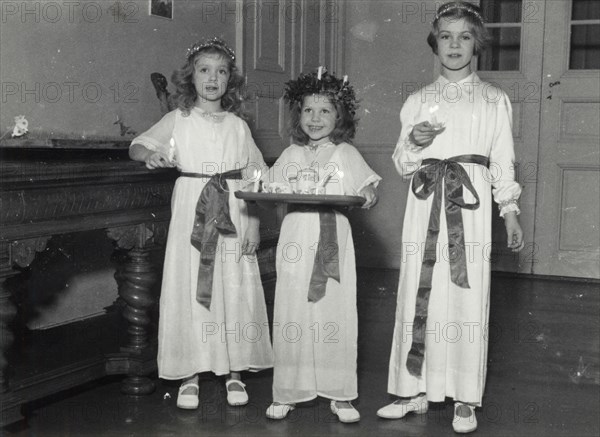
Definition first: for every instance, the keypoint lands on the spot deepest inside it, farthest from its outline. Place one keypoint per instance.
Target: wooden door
(567, 221)
(281, 39)
(546, 57)
(278, 39)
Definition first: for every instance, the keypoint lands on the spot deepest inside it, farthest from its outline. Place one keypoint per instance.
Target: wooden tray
(307, 199)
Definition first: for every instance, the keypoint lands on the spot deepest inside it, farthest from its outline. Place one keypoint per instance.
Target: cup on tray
(306, 182)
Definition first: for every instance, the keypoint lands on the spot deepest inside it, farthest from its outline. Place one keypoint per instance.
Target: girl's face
(456, 44)
(317, 119)
(211, 76)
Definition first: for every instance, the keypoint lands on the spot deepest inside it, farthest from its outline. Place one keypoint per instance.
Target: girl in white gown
(212, 310)
(315, 316)
(456, 146)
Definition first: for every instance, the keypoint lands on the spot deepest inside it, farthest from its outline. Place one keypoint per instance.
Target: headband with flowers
(449, 7)
(321, 82)
(214, 42)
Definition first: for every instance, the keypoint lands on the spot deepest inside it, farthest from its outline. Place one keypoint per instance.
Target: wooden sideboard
(49, 188)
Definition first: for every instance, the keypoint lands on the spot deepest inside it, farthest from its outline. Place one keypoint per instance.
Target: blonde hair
(183, 79)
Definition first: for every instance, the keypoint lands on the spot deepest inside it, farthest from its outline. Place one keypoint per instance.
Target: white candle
(257, 175)
(319, 73)
(171, 154)
(345, 79)
(432, 111)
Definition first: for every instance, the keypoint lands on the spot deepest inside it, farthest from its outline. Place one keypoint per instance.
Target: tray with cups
(305, 188)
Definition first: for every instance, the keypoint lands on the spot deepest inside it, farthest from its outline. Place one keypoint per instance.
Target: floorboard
(543, 379)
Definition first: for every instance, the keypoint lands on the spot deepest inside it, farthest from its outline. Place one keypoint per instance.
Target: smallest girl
(315, 317)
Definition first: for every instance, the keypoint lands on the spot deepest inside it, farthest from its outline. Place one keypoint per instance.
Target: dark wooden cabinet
(50, 188)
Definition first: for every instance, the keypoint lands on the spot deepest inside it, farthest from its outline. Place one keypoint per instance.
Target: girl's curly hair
(338, 91)
(185, 95)
(343, 132)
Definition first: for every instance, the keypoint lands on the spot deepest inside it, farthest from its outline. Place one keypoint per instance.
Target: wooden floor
(543, 379)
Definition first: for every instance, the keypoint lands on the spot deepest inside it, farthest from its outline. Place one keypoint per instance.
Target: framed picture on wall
(162, 8)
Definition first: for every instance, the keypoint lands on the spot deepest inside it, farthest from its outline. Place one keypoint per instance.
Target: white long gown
(234, 334)
(315, 344)
(478, 119)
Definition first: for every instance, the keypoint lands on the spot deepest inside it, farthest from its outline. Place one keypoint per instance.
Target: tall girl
(212, 310)
(315, 316)
(456, 146)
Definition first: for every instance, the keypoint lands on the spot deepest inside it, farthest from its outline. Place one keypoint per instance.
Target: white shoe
(236, 398)
(188, 401)
(279, 411)
(463, 425)
(345, 415)
(400, 408)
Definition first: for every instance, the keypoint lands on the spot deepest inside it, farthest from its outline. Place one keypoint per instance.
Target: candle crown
(321, 82)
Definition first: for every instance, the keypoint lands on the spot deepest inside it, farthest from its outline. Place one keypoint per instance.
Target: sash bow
(212, 218)
(441, 178)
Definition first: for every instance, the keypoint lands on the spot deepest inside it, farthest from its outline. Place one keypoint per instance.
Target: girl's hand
(369, 192)
(251, 238)
(158, 160)
(513, 232)
(424, 133)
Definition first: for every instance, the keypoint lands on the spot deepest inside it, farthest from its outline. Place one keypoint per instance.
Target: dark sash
(439, 177)
(212, 218)
(326, 264)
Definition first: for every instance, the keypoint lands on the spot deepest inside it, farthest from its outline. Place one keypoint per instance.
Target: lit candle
(340, 175)
(257, 175)
(171, 154)
(432, 111)
(319, 73)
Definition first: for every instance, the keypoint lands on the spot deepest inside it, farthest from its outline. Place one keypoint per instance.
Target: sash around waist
(435, 169)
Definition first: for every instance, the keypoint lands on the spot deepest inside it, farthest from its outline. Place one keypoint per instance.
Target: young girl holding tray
(315, 316)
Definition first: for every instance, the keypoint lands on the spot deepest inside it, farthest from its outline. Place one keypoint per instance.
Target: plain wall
(72, 68)
(386, 56)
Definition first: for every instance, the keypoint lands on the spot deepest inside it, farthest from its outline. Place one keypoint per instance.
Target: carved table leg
(136, 279)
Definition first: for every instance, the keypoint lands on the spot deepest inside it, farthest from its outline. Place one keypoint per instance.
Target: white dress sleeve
(407, 156)
(158, 137)
(357, 173)
(505, 189)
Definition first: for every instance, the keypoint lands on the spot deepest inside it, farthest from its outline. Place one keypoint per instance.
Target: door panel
(282, 39)
(568, 216)
(279, 39)
(268, 53)
(551, 77)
